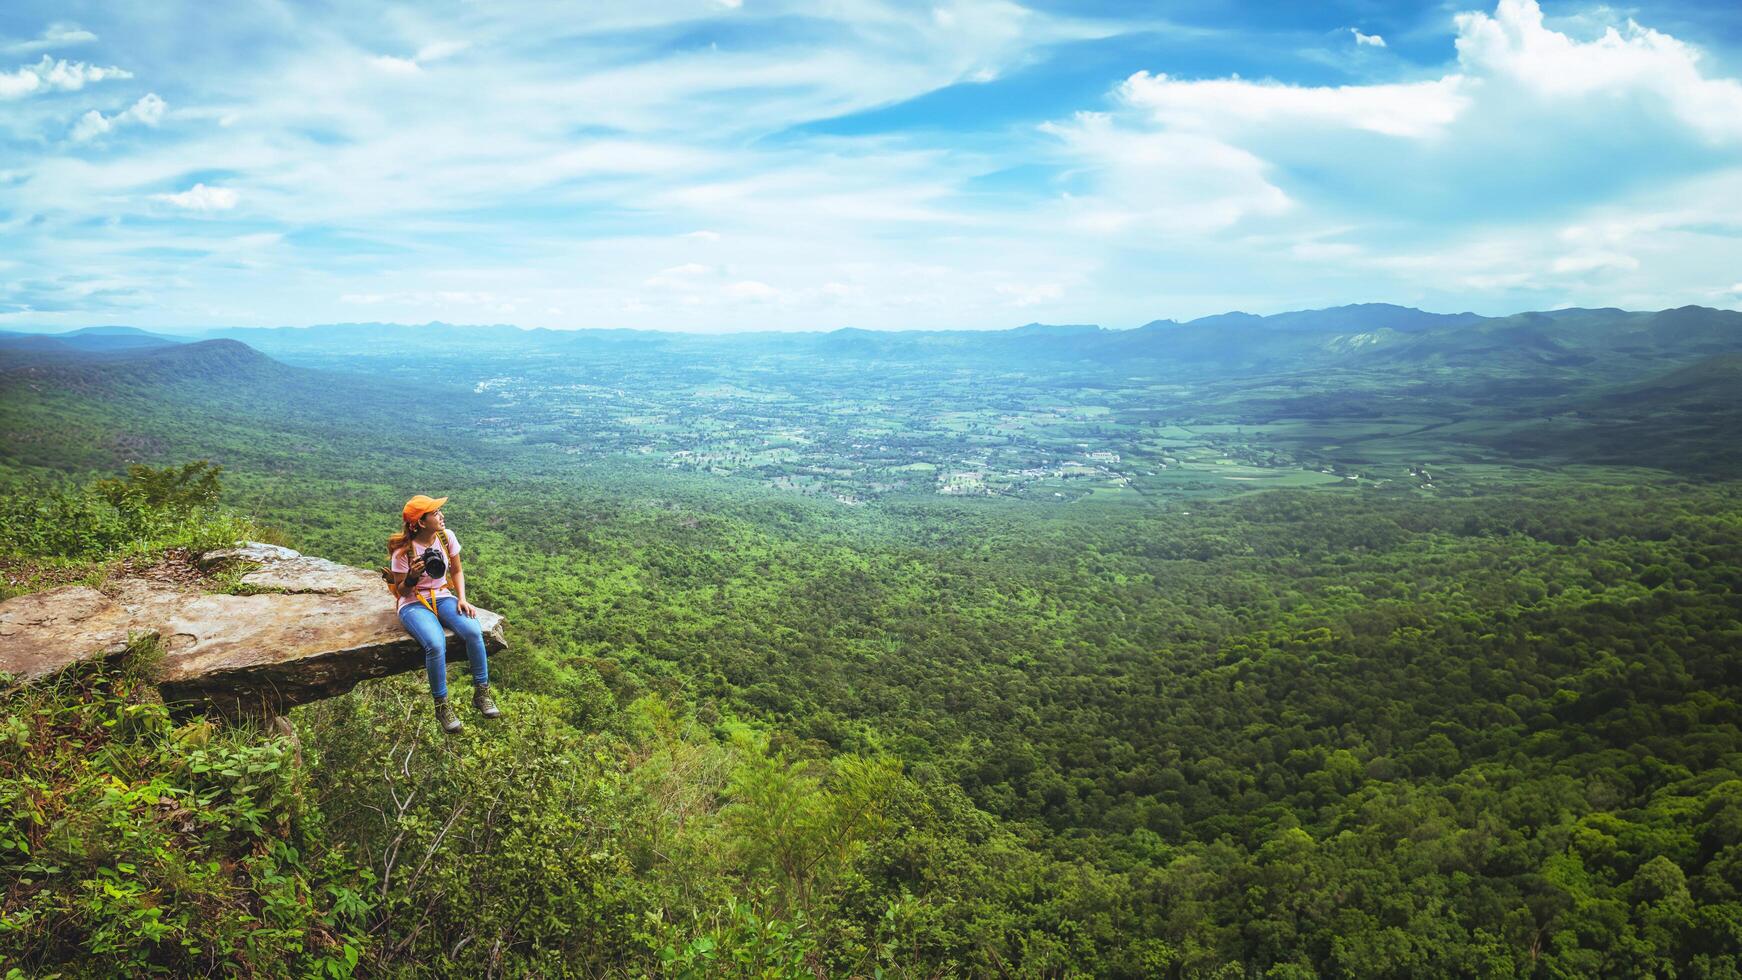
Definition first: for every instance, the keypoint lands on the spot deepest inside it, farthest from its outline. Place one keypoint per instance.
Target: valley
(1099, 663)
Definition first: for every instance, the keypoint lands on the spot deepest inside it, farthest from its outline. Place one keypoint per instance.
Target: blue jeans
(426, 628)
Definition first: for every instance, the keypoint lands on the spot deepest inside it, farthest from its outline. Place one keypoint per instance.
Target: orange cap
(420, 505)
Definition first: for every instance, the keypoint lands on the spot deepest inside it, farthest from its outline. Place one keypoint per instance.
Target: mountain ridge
(1351, 314)
(1375, 336)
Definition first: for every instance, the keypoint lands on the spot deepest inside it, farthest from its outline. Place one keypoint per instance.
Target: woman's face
(433, 521)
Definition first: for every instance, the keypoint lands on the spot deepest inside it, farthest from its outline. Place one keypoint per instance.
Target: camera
(434, 565)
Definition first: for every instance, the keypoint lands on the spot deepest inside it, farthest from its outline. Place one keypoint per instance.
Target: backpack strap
(388, 575)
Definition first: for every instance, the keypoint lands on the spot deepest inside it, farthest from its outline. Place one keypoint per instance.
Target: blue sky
(716, 165)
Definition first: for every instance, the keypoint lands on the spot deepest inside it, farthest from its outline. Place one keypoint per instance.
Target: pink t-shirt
(434, 588)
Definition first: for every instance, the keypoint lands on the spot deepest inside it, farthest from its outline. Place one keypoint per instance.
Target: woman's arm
(460, 586)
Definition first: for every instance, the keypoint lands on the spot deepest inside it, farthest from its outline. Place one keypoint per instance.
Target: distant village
(826, 442)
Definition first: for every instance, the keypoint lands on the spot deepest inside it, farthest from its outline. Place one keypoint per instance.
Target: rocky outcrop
(42, 632)
(311, 629)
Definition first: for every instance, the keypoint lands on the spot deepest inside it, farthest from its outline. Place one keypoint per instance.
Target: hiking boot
(446, 718)
(484, 703)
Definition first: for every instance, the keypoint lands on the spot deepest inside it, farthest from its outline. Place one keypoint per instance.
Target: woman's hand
(466, 608)
(413, 576)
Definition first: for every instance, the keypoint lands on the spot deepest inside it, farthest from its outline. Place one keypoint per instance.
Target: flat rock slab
(324, 628)
(42, 632)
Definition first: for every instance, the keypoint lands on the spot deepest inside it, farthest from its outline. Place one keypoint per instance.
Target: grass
(226, 579)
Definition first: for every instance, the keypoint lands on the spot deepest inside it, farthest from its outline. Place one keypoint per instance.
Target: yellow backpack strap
(387, 573)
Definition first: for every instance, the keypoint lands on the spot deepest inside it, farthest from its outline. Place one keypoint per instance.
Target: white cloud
(427, 303)
(201, 198)
(1413, 109)
(428, 54)
(834, 292)
(1594, 262)
(1162, 183)
(1369, 40)
(394, 65)
(1030, 294)
(57, 35)
(1504, 59)
(1513, 47)
(438, 50)
(52, 75)
(91, 125)
(703, 235)
(751, 290)
(681, 277)
(459, 297)
(1657, 248)
(148, 111)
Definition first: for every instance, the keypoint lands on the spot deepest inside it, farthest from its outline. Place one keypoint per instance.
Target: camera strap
(423, 595)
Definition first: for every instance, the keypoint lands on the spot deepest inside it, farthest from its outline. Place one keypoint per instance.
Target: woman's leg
(472, 634)
(427, 630)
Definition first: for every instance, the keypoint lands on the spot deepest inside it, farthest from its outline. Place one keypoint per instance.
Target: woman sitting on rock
(425, 562)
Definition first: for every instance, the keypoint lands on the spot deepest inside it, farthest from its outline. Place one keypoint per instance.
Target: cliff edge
(307, 629)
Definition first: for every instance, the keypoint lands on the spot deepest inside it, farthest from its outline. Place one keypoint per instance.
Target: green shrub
(130, 845)
(150, 510)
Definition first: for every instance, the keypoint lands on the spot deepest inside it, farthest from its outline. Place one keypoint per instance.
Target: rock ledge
(317, 630)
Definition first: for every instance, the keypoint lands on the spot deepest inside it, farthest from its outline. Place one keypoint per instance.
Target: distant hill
(1245, 343)
(1683, 420)
(1220, 344)
(1056, 329)
(214, 398)
(1713, 382)
(119, 336)
(1618, 343)
(94, 339)
(15, 348)
(216, 362)
(1359, 317)
(385, 337)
